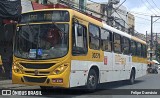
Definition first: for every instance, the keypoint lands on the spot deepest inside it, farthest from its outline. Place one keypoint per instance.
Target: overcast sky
(146, 8)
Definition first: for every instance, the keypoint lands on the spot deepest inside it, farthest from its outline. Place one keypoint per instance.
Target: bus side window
(79, 39)
(133, 48)
(106, 40)
(94, 37)
(145, 51)
(139, 52)
(117, 43)
(125, 46)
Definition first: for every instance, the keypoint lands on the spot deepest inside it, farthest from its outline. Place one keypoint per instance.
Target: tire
(132, 78)
(92, 81)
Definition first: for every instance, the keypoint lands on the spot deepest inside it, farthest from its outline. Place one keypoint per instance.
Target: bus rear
(41, 49)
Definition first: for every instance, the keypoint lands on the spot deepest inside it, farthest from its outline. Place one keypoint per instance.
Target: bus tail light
(60, 69)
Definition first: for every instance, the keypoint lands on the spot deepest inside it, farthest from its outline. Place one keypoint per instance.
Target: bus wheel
(132, 77)
(92, 80)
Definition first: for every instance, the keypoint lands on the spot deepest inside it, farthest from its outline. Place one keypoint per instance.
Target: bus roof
(115, 30)
(94, 21)
(122, 33)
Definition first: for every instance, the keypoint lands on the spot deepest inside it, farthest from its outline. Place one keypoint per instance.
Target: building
(97, 10)
(27, 5)
(80, 4)
(131, 23)
(120, 17)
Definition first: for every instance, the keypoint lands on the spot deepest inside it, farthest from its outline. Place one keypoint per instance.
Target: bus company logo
(36, 72)
(6, 92)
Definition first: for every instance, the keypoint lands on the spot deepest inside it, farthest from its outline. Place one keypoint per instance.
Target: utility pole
(110, 18)
(110, 11)
(151, 43)
(146, 36)
(156, 45)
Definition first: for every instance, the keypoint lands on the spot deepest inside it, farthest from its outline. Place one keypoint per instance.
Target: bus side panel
(118, 67)
(140, 66)
(79, 72)
(125, 72)
(106, 68)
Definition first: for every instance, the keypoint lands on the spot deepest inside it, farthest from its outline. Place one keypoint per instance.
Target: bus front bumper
(61, 80)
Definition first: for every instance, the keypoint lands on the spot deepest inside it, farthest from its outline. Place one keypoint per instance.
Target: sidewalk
(7, 84)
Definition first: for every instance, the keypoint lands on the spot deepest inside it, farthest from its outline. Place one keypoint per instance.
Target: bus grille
(37, 66)
(33, 72)
(35, 80)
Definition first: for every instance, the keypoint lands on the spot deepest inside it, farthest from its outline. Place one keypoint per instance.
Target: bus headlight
(16, 69)
(60, 69)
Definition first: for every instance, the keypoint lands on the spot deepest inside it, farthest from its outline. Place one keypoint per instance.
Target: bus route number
(95, 55)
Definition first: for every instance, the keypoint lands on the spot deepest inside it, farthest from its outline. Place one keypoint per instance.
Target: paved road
(150, 81)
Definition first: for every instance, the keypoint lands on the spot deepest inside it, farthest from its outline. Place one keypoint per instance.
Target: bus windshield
(41, 41)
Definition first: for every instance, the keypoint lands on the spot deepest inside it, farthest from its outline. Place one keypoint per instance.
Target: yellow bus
(66, 48)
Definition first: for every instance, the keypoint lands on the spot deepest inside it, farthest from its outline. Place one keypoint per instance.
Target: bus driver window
(54, 36)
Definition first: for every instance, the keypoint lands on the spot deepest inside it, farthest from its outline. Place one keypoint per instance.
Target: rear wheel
(92, 80)
(132, 77)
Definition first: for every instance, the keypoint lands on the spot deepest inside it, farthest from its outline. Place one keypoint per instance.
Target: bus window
(145, 51)
(125, 46)
(79, 40)
(133, 48)
(106, 40)
(139, 52)
(117, 43)
(94, 37)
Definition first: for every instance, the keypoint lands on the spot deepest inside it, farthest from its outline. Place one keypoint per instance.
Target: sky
(143, 9)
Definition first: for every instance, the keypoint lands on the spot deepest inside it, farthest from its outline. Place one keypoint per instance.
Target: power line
(152, 6)
(147, 7)
(142, 18)
(155, 4)
(119, 6)
(142, 14)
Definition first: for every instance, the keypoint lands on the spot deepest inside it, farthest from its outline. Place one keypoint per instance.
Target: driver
(54, 36)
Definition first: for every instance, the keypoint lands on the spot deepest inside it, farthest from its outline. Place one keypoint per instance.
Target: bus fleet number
(95, 55)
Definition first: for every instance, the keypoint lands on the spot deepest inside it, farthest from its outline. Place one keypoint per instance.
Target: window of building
(79, 39)
(94, 37)
(117, 43)
(125, 45)
(106, 40)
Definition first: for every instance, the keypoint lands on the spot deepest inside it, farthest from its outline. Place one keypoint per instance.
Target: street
(107, 90)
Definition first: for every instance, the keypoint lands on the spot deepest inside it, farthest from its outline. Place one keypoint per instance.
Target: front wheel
(92, 80)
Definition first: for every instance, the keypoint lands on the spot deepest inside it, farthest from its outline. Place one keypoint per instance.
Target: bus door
(79, 53)
(118, 58)
(106, 46)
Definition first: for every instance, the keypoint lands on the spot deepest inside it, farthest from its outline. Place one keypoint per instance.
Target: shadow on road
(105, 88)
